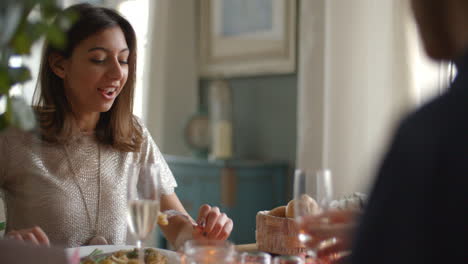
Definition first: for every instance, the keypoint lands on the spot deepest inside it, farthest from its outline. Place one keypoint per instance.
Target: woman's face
(97, 71)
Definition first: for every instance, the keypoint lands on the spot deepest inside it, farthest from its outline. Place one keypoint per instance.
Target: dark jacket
(418, 209)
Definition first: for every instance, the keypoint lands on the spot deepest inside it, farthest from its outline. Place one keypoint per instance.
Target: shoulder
(424, 137)
(140, 125)
(440, 118)
(148, 146)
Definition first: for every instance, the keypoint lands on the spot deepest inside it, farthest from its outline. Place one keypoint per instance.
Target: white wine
(142, 217)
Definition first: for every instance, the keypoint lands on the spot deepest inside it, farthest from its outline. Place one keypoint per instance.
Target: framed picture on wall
(247, 37)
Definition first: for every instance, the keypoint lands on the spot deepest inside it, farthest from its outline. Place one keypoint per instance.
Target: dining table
(173, 257)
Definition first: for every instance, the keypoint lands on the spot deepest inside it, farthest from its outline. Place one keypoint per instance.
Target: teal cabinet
(240, 188)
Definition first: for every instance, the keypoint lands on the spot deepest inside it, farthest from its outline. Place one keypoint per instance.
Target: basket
(277, 235)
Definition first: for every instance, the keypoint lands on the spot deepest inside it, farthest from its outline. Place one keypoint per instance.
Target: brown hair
(116, 127)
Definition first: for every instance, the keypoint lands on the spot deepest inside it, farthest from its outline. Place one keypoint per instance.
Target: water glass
(325, 231)
(285, 259)
(208, 252)
(313, 191)
(255, 258)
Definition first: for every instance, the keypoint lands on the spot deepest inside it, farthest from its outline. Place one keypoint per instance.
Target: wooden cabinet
(240, 188)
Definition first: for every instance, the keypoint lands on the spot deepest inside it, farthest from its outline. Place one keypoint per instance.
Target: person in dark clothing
(417, 210)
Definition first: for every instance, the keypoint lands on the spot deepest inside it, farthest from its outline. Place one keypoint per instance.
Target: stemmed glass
(143, 201)
(313, 192)
(325, 231)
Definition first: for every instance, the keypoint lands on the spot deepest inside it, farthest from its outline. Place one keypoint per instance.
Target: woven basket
(277, 235)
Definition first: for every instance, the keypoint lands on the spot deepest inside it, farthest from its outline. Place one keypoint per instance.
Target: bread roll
(310, 206)
(279, 211)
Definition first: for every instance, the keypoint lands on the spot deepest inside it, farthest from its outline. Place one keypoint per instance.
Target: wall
(264, 107)
(358, 50)
(170, 94)
(264, 116)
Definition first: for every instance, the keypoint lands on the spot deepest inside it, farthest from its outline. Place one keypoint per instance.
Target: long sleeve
(393, 226)
(416, 212)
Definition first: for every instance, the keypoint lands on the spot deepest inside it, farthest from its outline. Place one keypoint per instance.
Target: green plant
(22, 23)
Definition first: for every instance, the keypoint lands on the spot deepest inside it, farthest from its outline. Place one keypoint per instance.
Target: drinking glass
(313, 192)
(287, 259)
(323, 230)
(255, 258)
(143, 201)
(208, 252)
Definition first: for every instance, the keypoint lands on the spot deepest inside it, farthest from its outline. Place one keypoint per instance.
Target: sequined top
(39, 188)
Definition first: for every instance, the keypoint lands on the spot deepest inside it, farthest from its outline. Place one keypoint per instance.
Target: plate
(172, 256)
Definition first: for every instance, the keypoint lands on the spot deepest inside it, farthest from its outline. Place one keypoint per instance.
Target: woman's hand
(34, 235)
(212, 224)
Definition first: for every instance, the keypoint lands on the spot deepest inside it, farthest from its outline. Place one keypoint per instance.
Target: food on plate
(151, 256)
(162, 219)
(279, 211)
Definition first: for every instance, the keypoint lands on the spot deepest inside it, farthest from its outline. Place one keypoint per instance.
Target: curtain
(357, 76)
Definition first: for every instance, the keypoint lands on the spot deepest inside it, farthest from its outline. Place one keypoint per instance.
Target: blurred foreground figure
(12, 251)
(417, 211)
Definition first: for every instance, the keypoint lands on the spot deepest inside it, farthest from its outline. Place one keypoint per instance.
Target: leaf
(95, 252)
(2, 224)
(67, 19)
(3, 122)
(37, 30)
(22, 43)
(48, 10)
(4, 80)
(23, 115)
(55, 36)
(19, 75)
(8, 114)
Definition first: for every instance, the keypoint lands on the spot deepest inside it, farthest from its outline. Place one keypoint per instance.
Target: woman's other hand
(34, 235)
(212, 224)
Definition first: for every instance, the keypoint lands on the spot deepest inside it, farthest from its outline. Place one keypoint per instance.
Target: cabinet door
(258, 189)
(197, 185)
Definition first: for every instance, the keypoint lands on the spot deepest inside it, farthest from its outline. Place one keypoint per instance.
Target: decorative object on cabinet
(240, 188)
(221, 120)
(197, 134)
(247, 37)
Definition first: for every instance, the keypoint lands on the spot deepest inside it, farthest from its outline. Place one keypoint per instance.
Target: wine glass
(143, 201)
(325, 231)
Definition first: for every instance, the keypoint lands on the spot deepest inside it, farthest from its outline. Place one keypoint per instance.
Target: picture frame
(247, 37)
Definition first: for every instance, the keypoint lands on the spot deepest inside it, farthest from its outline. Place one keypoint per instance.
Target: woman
(66, 183)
